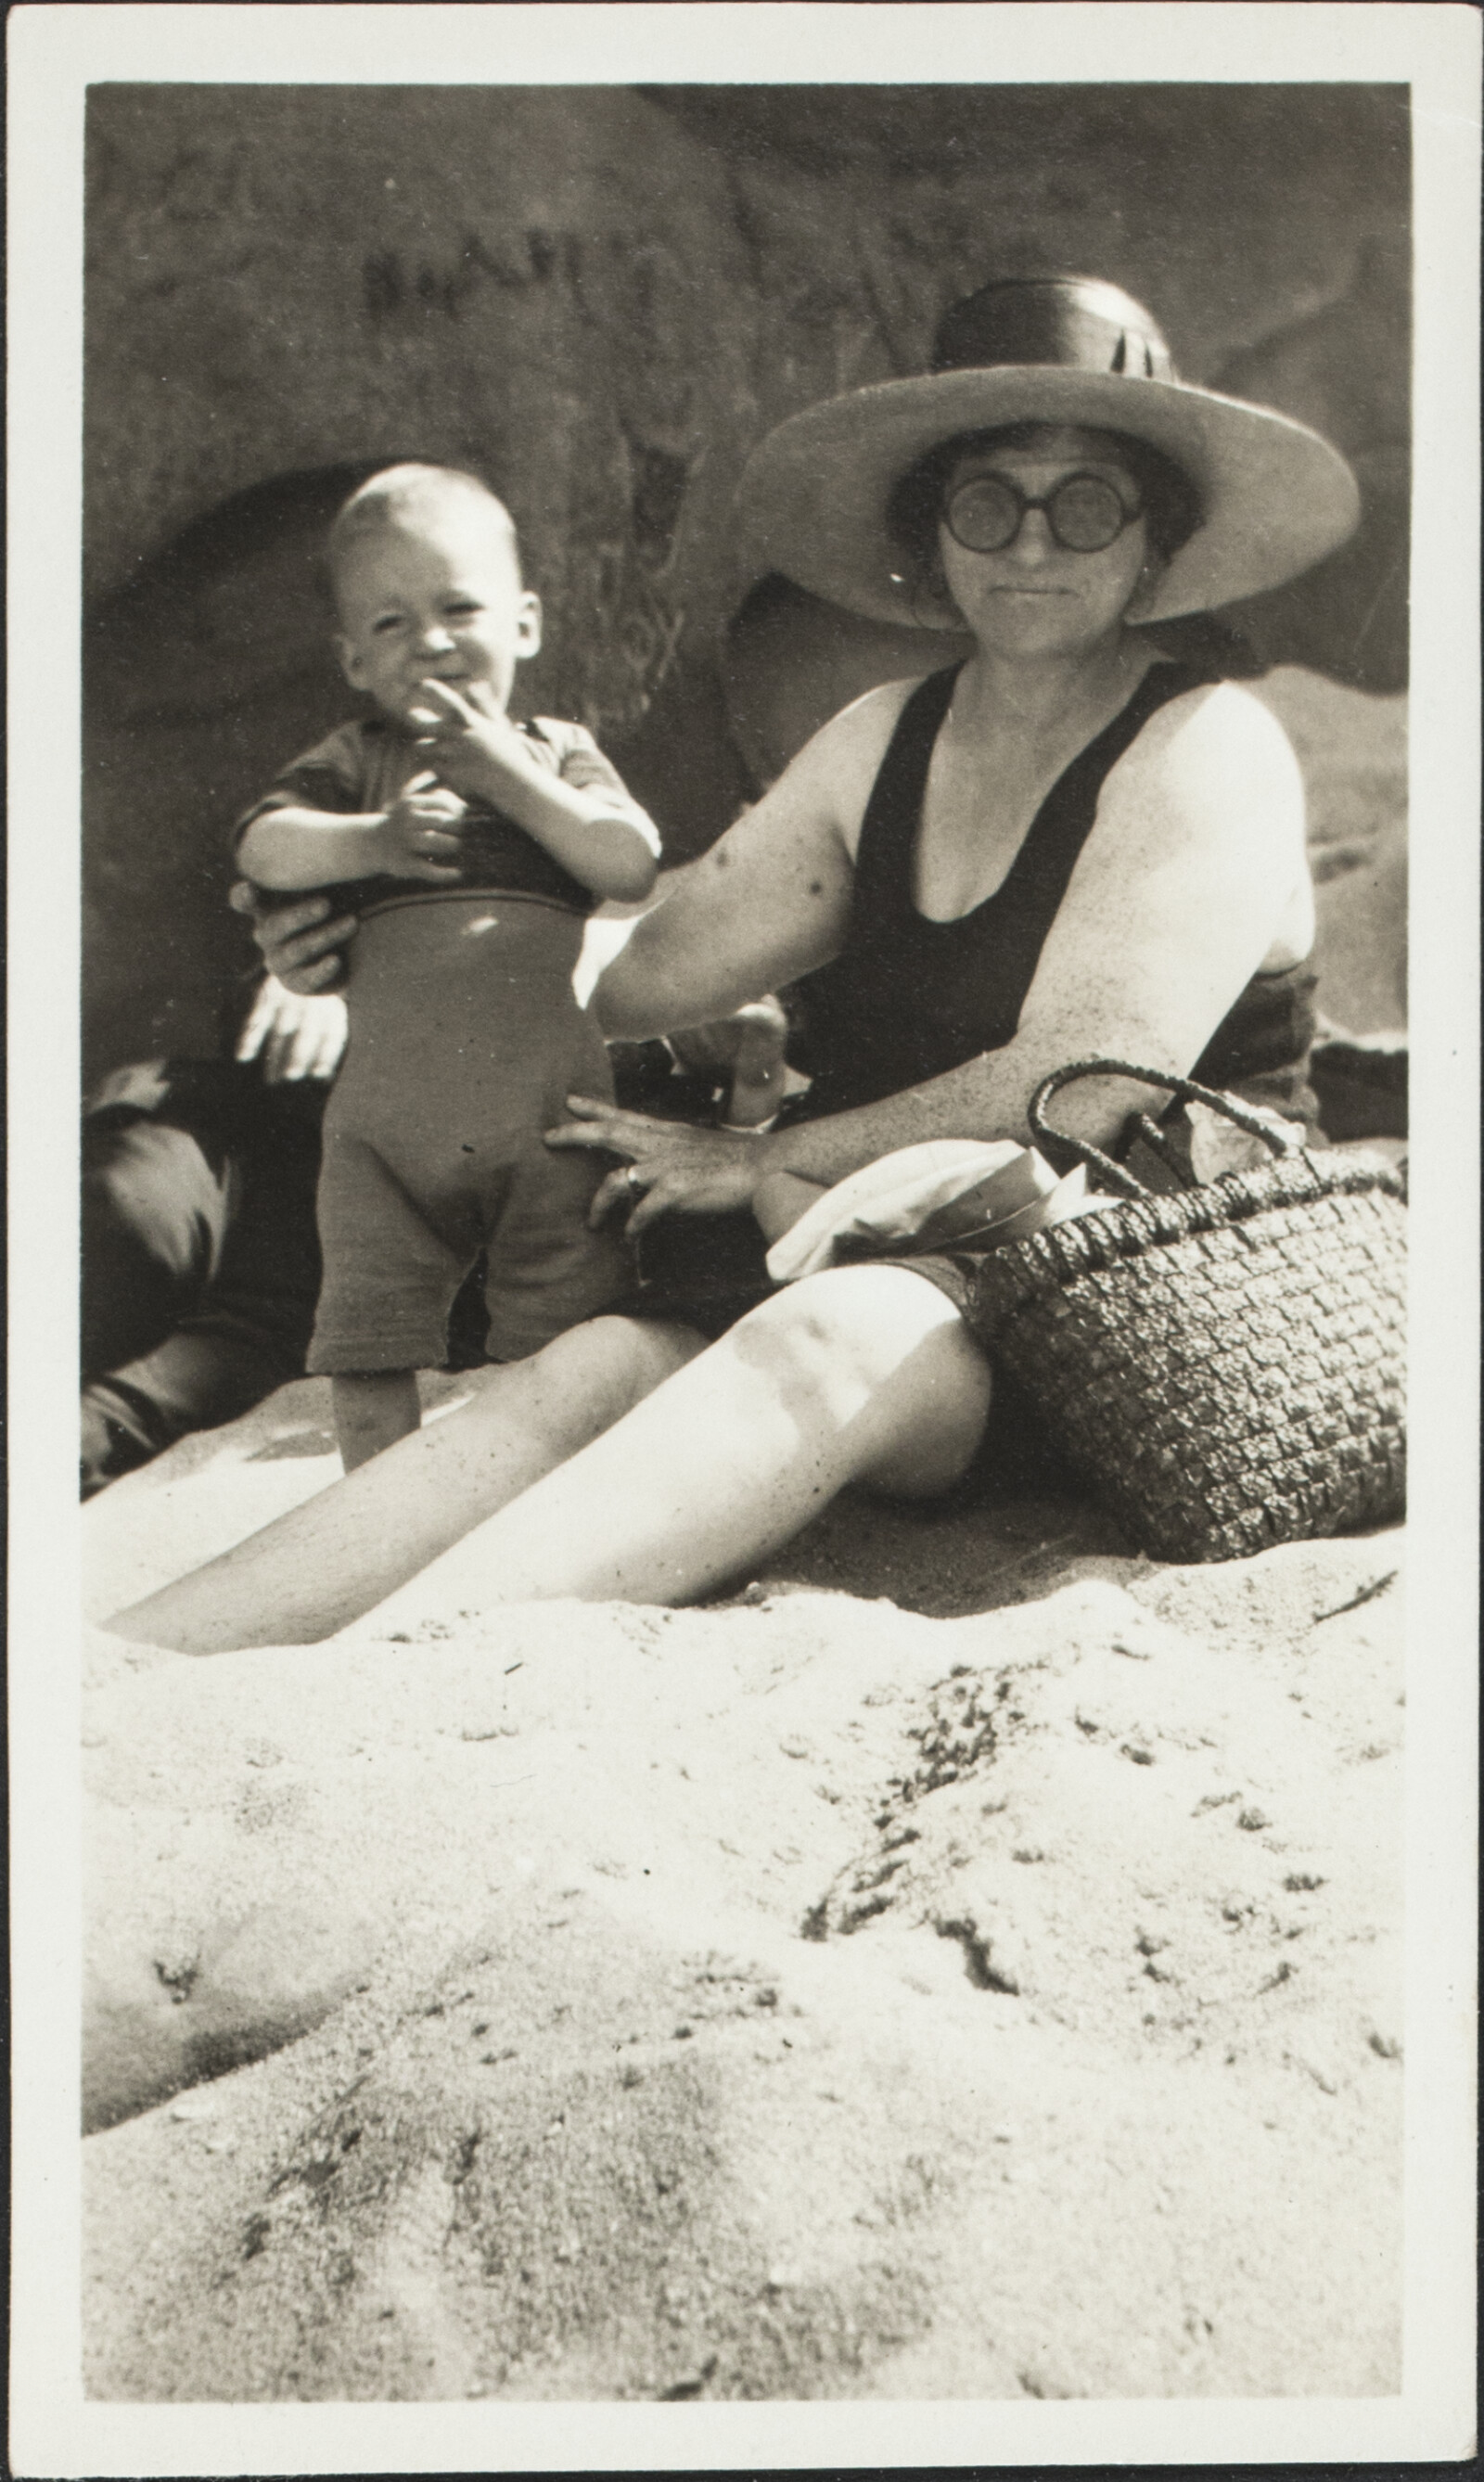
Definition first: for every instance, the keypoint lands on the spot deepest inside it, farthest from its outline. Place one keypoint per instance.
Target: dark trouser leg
(155, 1208)
(202, 1267)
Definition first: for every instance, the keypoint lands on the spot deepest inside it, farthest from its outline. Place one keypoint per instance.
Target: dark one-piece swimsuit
(908, 998)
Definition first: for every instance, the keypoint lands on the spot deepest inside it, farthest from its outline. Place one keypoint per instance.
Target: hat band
(1052, 325)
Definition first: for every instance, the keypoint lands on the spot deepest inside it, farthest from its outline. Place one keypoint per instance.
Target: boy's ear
(351, 663)
(528, 626)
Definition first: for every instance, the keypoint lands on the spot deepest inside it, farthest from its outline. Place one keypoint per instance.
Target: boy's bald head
(413, 498)
(426, 572)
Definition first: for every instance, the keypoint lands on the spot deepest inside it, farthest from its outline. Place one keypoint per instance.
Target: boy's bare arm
(612, 850)
(298, 848)
(295, 849)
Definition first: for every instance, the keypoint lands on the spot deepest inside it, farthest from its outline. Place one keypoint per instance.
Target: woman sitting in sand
(1067, 847)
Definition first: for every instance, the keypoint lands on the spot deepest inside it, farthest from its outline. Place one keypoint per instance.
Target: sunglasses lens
(984, 514)
(1085, 513)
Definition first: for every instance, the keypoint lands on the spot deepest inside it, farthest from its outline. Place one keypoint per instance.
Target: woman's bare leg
(313, 1570)
(864, 1374)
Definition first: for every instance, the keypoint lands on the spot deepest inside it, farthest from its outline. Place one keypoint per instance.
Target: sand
(982, 1984)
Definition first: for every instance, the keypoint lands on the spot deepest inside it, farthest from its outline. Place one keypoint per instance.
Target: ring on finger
(632, 1176)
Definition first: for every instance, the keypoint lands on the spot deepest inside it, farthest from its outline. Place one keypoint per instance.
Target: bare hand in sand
(670, 1166)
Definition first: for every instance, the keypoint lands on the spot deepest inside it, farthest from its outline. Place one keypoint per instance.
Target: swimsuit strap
(887, 852)
(894, 813)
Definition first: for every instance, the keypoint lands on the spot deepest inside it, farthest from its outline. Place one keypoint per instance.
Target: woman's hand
(294, 1035)
(669, 1167)
(301, 942)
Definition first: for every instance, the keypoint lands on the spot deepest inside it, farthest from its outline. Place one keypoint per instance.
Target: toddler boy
(473, 849)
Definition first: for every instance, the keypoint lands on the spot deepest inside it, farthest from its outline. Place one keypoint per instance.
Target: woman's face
(1036, 597)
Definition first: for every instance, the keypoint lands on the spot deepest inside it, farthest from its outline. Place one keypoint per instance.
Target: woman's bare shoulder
(869, 718)
(1219, 718)
(844, 756)
(1214, 747)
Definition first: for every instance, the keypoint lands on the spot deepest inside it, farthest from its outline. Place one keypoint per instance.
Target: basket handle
(1185, 1091)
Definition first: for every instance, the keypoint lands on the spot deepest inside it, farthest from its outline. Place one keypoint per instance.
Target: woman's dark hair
(1171, 506)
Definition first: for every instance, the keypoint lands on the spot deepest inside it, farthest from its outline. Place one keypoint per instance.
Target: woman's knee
(867, 1316)
(855, 1336)
(934, 1443)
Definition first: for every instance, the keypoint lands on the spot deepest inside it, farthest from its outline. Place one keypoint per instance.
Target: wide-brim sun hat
(1065, 350)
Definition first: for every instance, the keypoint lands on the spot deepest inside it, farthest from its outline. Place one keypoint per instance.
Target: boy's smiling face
(434, 598)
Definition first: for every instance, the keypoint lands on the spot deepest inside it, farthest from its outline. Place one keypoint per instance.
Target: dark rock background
(602, 298)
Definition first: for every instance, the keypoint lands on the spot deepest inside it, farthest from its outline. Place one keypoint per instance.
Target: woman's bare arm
(769, 902)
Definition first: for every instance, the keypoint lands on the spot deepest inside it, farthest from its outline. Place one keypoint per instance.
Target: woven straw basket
(1224, 1367)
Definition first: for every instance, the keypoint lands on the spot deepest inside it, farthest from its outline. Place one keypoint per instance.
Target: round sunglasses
(1084, 513)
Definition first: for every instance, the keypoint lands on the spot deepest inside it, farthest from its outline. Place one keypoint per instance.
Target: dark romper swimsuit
(466, 1039)
(908, 998)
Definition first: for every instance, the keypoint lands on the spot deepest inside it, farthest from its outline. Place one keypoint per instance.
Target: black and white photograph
(786, 687)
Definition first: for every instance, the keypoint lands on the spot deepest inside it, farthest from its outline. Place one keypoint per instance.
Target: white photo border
(56, 51)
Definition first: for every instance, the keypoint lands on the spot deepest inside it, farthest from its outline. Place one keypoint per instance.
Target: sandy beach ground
(984, 1983)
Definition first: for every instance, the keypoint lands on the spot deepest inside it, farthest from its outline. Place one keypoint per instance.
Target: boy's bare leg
(373, 1409)
(319, 1567)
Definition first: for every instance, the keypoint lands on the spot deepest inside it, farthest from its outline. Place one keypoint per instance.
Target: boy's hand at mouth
(421, 836)
(472, 742)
